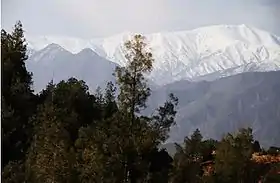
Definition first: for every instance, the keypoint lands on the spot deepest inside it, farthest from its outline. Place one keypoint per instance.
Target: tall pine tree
(124, 141)
(17, 100)
(144, 133)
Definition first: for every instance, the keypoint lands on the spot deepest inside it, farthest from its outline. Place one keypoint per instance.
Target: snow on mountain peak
(186, 54)
(74, 45)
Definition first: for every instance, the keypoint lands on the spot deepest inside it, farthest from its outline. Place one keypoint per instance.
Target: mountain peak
(75, 45)
(54, 46)
(86, 51)
(190, 54)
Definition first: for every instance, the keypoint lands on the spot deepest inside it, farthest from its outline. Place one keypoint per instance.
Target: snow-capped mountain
(219, 105)
(214, 51)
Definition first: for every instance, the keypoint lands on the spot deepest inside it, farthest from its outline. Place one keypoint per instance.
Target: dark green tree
(273, 151)
(99, 96)
(144, 133)
(50, 157)
(187, 160)
(100, 152)
(233, 157)
(110, 107)
(160, 166)
(209, 146)
(73, 96)
(133, 86)
(14, 172)
(122, 141)
(17, 101)
(67, 107)
(256, 146)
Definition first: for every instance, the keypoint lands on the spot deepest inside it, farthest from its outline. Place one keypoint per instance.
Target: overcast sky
(99, 18)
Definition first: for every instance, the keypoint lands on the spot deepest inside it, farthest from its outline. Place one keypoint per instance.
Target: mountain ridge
(188, 54)
(38, 42)
(223, 106)
(216, 81)
(55, 63)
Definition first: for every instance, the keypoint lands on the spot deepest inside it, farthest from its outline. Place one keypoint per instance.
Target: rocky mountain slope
(225, 105)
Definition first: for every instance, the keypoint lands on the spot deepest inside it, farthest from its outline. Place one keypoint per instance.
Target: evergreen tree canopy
(17, 101)
(133, 86)
(188, 158)
(72, 96)
(233, 156)
(50, 158)
(126, 135)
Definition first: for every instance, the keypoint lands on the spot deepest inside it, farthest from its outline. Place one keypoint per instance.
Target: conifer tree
(13, 172)
(193, 145)
(67, 107)
(73, 96)
(256, 146)
(133, 86)
(100, 153)
(134, 92)
(17, 100)
(50, 158)
(188, 158)
(124, 140)
(99, 96)
(233, 154)
(110, 100)
(160, 166)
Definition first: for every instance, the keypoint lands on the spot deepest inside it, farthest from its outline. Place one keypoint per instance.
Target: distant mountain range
(225, 105)
(54, 62)
(214, 51)
(223, 75)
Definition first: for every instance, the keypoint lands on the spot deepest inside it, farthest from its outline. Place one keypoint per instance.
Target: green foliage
(160, 165)
(233, 154)
(17, 101)
(124, 140)
(273, 150)
(110, 107)
(256, 146)
(231, 161)
(13, 56)
(133, 87)
(144, 132)
(73, 97)
(100, 152)
(208, 147)
(164, 117)
(74, 136)
(188, 158)
(14, 172)
(50, 158)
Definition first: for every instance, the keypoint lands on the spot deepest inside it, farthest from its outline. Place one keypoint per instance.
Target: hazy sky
(94, 18)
